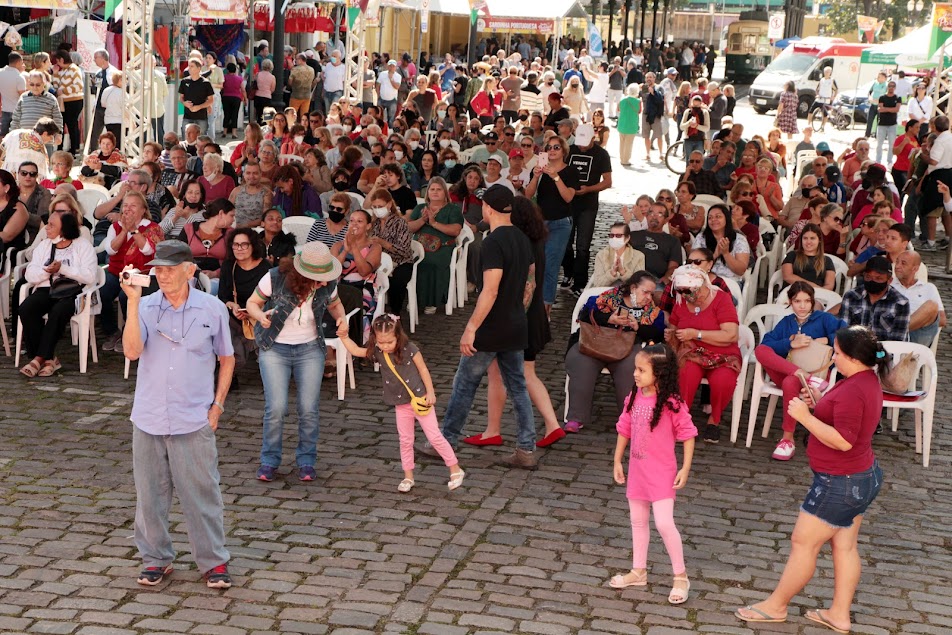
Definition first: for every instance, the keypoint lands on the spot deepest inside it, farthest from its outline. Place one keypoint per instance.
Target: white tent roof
(536, 9)
(913, 42)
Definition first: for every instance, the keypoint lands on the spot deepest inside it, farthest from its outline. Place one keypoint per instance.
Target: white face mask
(441, 113)
(56, 240)
(348, 128)
(444, 143)
(398, 154)
(371, 139)
(616, 243)
(381, 212)
(414, 145)
(299, 139)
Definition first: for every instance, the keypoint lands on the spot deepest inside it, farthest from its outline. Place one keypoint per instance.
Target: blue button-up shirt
(175, 386)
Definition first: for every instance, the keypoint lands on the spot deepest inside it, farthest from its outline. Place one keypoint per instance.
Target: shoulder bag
(603, 343)
(62, 288)
(419, 403)
(900, 377)
(813, 358)
(247, 324)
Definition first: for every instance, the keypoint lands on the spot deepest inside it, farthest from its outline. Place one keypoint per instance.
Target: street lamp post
(914, 8)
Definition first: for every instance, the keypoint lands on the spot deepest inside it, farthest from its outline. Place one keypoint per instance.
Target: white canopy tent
(535, 9)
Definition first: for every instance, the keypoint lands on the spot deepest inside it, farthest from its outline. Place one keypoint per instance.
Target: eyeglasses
(63, 211)
(614, 235)
(554, 147)
(695, 261)
(32, 175)
(694, 161)
(335, 208)
(241, 245)
(510, 134)
(169, 337)
(739, 194)
(838, 220)
(665, 198)
(490, 142)
(526, 145)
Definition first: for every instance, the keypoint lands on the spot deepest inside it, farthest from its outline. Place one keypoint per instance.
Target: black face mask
(523, 117)
(875, 288)
(336, 216)
(806, 192)
(341, 186)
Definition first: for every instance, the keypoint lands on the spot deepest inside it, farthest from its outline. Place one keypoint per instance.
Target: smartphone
(803, 382)
(543, 160)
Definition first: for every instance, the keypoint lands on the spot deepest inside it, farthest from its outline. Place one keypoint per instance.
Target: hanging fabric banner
(595, 46)
(61, 5)
(90, 37)
(226, 10)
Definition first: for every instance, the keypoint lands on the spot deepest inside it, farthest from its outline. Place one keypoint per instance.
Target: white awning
(537, 9)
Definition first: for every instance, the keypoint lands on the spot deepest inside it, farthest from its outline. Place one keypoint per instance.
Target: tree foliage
(842, 14)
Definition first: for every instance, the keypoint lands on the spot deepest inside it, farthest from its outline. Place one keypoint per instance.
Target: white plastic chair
(765, 318)
(82, 325)
(413, 307)
(382, 283)
(752, 286)
(738, 296)
(466, 156)
(89, 199)
(927, 373)
(229, 149)
(459, 253)
(706, 200)
(345, 361)
(462, 292)
(922, 275)
(843, 282)
(284, 159)
(95, 187)
(299, 226)
(746, 342)
(825, 297)
(582, 299)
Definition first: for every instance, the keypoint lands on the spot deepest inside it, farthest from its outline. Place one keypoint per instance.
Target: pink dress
(652, 464)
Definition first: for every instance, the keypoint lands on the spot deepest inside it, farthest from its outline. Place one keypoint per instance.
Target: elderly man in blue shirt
(177, 335)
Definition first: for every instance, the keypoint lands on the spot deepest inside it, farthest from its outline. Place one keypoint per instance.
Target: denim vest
(284, 302)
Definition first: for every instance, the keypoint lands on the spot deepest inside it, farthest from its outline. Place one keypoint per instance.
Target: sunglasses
(510, 134)
(64, 211)
(838, 220)
(745, 194)
(490, 143)
(665, 198)
(684, 290)
(695, 261)
(694, 161)
(526, 145)
(550, 148)
(29, 174)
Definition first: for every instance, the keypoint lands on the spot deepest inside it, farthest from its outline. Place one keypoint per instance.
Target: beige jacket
(632, 260)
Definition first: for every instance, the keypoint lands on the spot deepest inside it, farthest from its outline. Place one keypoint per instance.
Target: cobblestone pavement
(510, 552)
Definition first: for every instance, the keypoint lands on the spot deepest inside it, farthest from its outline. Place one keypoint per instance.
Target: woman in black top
(392, 178)
(243, 268)
(13, 215)
(557, 112)
(554, 187)
(277, 243)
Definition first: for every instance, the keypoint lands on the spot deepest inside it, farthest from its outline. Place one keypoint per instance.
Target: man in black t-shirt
(498, 329)
(662, 251)
(594, 175)
(886, 125)
(196, 94)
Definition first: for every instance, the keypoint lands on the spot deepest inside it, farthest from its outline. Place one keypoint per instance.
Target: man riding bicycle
(825, 94)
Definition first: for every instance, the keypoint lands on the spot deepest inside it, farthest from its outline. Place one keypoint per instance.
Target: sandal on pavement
(817, 616)
(49, 367)
(455, 480)
(677, 594)
(31, 369)
(573, 426)
(759, 617)
(405, 485)
(619, 581)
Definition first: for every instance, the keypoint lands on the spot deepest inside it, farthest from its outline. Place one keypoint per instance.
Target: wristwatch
(699, 335)
(557, 178)
(134, 232)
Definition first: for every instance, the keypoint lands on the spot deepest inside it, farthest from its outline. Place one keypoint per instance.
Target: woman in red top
(703, 332)
(902, 149)
(846, 480)
(487, 103)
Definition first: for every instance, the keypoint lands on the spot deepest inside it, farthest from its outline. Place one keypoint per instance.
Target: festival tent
(528, 9)
(910, 50)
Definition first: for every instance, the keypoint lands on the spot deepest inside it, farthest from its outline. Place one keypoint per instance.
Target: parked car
(855, 101)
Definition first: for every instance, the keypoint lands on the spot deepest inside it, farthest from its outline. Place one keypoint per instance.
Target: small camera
(136, 278)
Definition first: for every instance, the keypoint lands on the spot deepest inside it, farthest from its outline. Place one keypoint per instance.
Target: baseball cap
(169, 253)
(823, 146)
(879, 264)
(392, 63)
(832, 173)
(492, 136)
(671, 71)
(516, 152)
(584, 135)
(498, 158)
(564, 122)
(498, 197)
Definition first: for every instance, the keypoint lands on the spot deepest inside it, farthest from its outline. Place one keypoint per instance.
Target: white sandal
(405, 485)
(618, 581)
(679, 595)
(455, 480)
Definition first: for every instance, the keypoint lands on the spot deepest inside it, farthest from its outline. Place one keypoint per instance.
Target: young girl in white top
(404, 372)
(654, 420)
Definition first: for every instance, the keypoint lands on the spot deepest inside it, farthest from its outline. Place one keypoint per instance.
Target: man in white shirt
(160, 92)
(825, 94)
(903, 87)
(333, 80)
(926, 313)
(388, 85)
(12, 85)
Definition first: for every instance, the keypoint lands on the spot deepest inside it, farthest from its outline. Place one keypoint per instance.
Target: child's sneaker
(151, 576)
(218, 577)
(784, 450)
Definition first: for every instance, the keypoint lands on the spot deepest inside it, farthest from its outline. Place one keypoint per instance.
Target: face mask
(56, 240)
(444, 143)
(441, 113)
(169, 145)
(348, 128)
(450, 163)
(616, 243)
(398, 154)
(340, 186)
(691, 295)
(523, 117)
(806, 192)
(299, 139)
(414, 145)
(381, 212)
(336, 216)
(371, 139)
(875, 288)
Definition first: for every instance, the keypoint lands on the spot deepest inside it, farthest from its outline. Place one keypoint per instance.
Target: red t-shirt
(902, 157)
(720, 311)
(854, 407)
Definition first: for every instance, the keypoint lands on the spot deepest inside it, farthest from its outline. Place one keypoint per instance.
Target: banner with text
(229, 10)
(516, 25)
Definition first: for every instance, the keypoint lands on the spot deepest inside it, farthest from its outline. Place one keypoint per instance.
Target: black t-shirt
(404, 197)
(808, 273)
(888, 118)
(196, 91)
(506, 327)
(659, 249)
(553, 205)
(591, 165)
(555, 116)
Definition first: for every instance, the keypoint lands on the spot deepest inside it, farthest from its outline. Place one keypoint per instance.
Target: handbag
(604, 344)
(62, 288)
(247, 324)
(418, 403)
(812, 358)
(900, 377)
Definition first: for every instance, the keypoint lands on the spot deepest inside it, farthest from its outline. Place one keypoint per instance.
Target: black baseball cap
(498, 197)
(833, 173)
(491, 136)
(879, 264)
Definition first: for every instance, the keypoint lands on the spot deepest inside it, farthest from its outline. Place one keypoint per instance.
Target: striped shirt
(32, 107)
(69, 83)
(320, 233)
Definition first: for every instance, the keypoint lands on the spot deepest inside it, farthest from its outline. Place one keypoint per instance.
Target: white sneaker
(784, 450)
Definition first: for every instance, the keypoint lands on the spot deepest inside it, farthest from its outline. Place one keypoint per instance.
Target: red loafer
(551, 438)
(477, 439)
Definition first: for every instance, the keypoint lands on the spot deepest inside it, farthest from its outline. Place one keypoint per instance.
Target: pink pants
(664, 523)
(431, 428)
(722, 381)
(781, 372)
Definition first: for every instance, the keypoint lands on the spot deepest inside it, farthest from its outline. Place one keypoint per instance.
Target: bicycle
(674, 158)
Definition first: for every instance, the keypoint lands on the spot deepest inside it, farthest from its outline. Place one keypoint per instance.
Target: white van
(803, 63)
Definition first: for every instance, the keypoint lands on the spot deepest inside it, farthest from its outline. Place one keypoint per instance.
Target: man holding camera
(177, 334)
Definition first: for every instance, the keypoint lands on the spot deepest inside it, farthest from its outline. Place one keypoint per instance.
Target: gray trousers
(583, 372)
(99, 118)
(189, 463)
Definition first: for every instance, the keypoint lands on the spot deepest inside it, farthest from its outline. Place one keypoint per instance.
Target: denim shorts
(837, 500)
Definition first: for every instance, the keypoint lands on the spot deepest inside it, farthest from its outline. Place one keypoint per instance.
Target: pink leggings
(431, 428)
(664, 523)
(722, 381)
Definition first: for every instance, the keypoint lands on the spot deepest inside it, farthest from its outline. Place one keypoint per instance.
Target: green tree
(842, 14)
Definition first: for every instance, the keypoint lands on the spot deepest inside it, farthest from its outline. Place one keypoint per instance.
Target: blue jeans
(470, 374)
(107, 294)
(885, 138)
(559, 233)
(331, 97)
(925, 335)
(305, 362)
(5, 119)
(389, 108)
(692, 144)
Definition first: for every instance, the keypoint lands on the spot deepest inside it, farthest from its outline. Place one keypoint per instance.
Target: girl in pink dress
(654, 420)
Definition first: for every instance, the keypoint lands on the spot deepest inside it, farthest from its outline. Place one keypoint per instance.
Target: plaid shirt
(705, 182)
(888, 318)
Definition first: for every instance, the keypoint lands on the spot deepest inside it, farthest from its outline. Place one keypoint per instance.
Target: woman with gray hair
(217, 184)
(265, 83)
(703, 332)
(629, 122)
